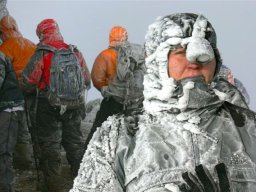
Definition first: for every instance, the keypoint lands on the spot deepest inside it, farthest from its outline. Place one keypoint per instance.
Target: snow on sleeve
(222, 96)
(183, 101)
(96, 171)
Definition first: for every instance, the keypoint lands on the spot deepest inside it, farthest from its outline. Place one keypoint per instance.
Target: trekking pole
(125, 104)
(32, 133)
(85, 95)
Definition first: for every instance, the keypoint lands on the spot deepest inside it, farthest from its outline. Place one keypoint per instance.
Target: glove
(203, 181)
(104, 91)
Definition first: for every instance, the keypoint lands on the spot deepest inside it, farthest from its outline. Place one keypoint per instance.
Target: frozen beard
(185, 30)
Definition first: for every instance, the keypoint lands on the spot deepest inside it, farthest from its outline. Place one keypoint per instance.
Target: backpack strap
(132, 118)
(46, 48)
(53, 49)
(73, 48)
(236, 113)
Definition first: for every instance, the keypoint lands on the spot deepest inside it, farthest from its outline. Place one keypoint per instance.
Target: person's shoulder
(29, 42)
(108, 127)
(14, 41)
(108, 51)
(106, 135)
(43, 48)
(7, 44)
(112, 124)
(96, 169)
(73, 47)
(106, 54)
(137, 46)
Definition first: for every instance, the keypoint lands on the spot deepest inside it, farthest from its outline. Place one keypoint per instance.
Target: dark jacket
(10, 94)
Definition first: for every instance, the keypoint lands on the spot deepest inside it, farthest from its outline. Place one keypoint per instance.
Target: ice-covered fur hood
(165, 34)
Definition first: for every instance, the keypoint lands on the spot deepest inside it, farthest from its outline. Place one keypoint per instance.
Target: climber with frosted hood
(188, 137)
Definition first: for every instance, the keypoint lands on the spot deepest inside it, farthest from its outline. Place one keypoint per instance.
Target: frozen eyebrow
(179, 51)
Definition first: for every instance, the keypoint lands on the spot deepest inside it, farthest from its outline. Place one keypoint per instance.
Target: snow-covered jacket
(37, 72)
(183, 124)
(150, 151)
(17, 48)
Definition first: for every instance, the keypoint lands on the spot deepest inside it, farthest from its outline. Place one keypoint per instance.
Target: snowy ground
(27, 181)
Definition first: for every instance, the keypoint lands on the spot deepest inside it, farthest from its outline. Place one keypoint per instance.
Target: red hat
(48, 28)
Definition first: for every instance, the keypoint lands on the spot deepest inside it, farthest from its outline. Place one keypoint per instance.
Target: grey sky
(87, 25)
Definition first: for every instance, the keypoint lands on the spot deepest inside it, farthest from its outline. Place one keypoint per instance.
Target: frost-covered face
(180, 68)
(197, 38)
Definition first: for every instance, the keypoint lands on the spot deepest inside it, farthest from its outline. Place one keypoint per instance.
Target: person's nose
(199, 51)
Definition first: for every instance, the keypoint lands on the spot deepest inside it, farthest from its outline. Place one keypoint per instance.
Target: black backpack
(66, 87)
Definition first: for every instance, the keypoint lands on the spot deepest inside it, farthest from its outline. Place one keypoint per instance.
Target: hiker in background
(227, 74)
(19, 50)
(118, 74)
(184, 127)
(60, 75)
(11, 102)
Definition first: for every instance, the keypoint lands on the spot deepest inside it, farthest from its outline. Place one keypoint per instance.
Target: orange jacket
(15, 47)
(104, 68)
